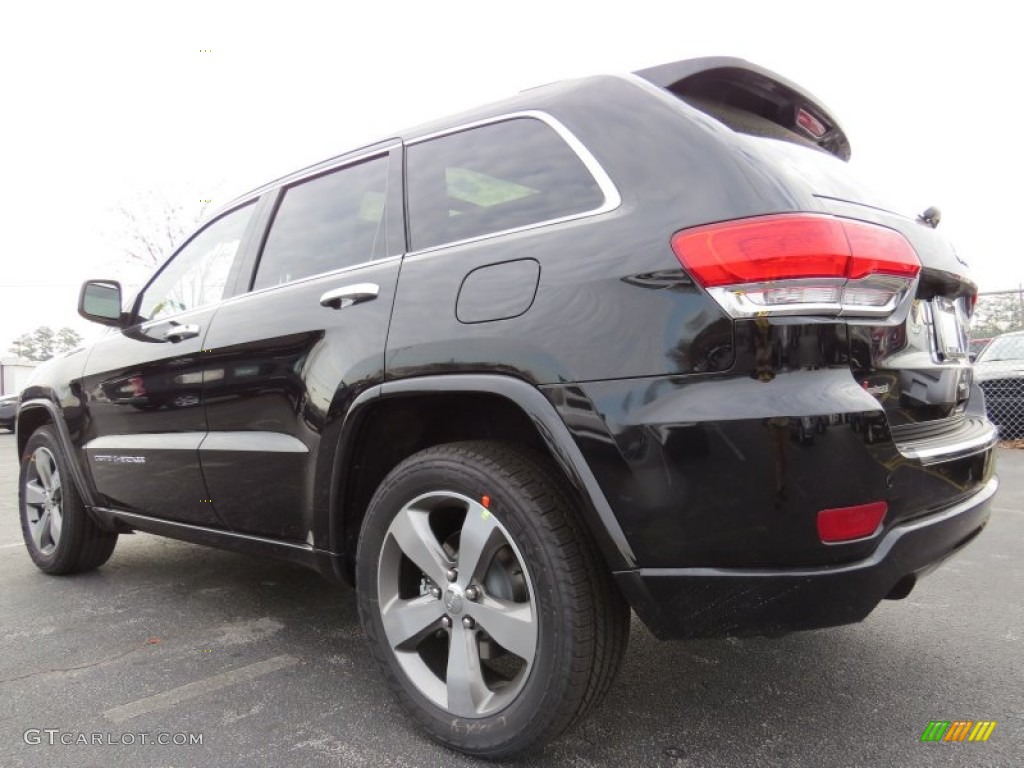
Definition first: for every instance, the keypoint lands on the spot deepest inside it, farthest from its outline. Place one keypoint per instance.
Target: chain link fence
(997, 340)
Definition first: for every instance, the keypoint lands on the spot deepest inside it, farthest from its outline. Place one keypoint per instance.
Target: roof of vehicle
(530, 99)
(730, 70)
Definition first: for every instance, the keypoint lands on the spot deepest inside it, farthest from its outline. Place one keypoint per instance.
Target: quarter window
(198, 273)
(493, 178)
(327, 223)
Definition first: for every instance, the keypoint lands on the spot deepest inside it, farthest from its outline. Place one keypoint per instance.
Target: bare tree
(153, 225)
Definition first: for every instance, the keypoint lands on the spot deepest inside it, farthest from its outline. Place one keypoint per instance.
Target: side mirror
(100, 302)
(973, 357)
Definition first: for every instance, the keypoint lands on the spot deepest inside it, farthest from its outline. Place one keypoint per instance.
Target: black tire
(80, 545)
(581, 620)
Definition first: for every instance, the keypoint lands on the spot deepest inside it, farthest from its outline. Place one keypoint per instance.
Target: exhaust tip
(902, 588)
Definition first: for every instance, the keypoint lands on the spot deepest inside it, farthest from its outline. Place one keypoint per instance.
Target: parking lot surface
(267, 664)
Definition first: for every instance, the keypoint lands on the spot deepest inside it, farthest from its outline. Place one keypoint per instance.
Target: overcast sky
(103, 102)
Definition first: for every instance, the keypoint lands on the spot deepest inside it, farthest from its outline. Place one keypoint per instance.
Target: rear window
(785, 127)
(795, 156)
(750, 123)
(494, 178)
(823, 174)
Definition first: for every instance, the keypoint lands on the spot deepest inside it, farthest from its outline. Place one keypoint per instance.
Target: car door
(143, 384)
(284, 359)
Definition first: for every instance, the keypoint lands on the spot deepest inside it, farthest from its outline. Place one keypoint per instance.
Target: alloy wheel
(44, 500)
(457, 604)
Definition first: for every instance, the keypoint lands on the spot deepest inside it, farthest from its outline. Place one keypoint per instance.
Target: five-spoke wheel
(456, 603)
(43, 500)
(484, 600)
(60, 536)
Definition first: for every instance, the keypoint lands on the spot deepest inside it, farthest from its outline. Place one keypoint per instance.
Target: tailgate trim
(974, 436)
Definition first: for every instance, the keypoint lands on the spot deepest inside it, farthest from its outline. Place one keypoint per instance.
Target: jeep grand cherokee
(635, 341)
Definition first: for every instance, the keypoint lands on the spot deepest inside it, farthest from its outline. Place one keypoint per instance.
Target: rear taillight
(800, 264)
(972, 302)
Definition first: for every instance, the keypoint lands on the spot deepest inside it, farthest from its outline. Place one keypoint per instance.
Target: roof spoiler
(740, 84)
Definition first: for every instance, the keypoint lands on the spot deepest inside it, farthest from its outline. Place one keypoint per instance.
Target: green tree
(44, 343)
(998, 313)
(66, 340)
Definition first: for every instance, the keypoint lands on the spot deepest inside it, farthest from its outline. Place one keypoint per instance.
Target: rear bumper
(709, 602)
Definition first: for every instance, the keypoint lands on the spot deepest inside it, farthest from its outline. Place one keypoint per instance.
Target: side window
(492, 178)
(198, 273)
(333, 221)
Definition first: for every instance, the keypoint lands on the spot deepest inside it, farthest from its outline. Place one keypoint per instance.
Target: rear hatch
(908, 348)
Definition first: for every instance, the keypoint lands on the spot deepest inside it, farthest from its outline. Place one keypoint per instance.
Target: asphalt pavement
(266, 665)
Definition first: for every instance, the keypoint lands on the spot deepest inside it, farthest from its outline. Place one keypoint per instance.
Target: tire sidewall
(526, 714)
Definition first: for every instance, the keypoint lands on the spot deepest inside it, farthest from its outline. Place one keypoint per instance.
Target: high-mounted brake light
(810, 123)
(800, 264)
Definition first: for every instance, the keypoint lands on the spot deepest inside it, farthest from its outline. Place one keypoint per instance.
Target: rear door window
(327, 223)
(493, 178)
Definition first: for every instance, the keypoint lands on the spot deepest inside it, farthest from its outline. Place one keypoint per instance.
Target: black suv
(633, 341)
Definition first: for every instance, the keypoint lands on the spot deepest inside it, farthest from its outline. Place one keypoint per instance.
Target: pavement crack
(64, 670)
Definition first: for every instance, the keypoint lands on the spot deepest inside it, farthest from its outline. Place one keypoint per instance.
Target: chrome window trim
(311, 278)
(612, 198)
(308, 174)
(310, 171)
(280, 191)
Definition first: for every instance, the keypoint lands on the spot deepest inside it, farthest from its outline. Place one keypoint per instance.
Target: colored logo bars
(958, 730)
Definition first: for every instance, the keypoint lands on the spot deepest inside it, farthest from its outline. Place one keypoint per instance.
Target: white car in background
(999, 370)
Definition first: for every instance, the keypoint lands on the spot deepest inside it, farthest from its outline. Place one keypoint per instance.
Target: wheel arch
(40, 412)
(392, 421)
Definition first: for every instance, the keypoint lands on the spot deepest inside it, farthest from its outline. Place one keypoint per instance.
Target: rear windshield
(824, 174)
(744, 121)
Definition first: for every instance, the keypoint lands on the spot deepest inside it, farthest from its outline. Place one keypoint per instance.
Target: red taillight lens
(848, 523)
(972, 302)
(799, 262)
(762, 249)
(791, 247)
(877, 250)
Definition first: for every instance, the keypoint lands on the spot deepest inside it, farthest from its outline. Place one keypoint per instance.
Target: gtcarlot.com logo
(54, 736)
(958, 730)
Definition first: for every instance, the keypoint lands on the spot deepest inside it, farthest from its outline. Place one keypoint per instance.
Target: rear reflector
(848, 523)
(799, 263)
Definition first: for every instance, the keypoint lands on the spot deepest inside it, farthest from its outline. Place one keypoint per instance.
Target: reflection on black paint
(732, 471)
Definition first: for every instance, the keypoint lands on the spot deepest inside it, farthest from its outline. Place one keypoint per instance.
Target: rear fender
(596, 511)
